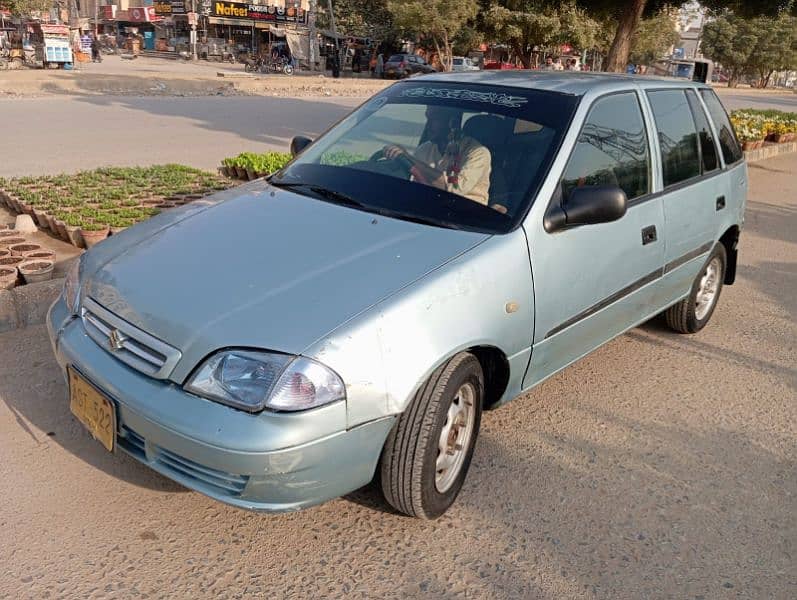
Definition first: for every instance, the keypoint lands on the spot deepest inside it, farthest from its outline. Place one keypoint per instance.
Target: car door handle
(649, 235)
(720, 202)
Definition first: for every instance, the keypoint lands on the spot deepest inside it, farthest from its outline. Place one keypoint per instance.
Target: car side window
(708, 151)
(612, 148)
(677, 135)
(731, 151)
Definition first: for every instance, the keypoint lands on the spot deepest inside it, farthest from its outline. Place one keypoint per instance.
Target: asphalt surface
(660, 466)
(73, 132)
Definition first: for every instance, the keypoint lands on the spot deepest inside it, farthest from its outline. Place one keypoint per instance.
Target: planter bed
(93, 204)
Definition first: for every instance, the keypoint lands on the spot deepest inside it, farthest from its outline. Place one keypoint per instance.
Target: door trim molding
(630, 289)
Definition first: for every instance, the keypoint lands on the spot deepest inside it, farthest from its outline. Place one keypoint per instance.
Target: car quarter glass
(731, 150)
(708, 149)
(676, 134)
(612, 148)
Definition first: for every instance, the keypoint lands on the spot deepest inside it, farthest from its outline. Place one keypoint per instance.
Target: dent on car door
(592, 282)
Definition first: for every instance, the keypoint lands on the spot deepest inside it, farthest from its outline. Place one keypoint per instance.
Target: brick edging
(769, 151)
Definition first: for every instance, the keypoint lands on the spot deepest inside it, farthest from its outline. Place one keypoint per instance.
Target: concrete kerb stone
(27, 304)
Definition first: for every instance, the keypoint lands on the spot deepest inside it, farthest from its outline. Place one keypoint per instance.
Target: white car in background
(463, 63)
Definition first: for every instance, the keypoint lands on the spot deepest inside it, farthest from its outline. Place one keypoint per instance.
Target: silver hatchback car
(447, 246)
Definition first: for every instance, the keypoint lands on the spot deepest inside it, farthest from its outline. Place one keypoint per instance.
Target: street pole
(96, 16)
(193, 30)
(312, 33)
(335, 33)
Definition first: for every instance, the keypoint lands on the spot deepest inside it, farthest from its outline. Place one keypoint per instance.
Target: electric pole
(312, 33)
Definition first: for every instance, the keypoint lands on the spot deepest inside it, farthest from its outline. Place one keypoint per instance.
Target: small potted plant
(34, 271)
(8, 277)
(93, 233)
(21, 249)
(5, 242)
(42, 254)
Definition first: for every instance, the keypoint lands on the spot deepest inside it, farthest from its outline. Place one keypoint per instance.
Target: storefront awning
(238, 22)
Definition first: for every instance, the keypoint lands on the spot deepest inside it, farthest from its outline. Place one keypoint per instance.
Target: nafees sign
(257, 12)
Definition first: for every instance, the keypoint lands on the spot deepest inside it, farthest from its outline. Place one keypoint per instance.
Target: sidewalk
(147, 76)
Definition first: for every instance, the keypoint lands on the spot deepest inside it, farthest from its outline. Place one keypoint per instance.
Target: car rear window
(677, 135)
(708, 151)
(731, 151)
(396, 58)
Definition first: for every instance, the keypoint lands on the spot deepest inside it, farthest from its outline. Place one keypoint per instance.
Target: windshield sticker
(467, 95)
(375, 104)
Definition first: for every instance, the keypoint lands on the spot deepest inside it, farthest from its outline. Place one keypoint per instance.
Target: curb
(27, 304)
(769, 151)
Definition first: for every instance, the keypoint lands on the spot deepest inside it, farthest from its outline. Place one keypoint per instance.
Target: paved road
(659, 466)
(69, 133)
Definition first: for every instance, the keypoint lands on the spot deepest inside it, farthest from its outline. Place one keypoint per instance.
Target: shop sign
(108, 12)
(178, 7)
(258, 12)
(142, 14)
(162, 7)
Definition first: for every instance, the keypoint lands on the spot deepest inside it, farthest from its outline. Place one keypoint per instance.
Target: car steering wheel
(402, 163)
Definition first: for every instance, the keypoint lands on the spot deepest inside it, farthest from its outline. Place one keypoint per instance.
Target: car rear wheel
(428, 451)
(692, 313)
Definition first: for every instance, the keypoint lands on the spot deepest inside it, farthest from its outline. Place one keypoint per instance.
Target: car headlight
(72, 287)
(253, 381)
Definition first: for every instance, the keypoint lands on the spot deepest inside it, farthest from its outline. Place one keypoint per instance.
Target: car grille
(183, 469)
(129, 344)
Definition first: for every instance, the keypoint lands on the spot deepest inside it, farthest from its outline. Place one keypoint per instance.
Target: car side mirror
(298, 144)
(587, 205)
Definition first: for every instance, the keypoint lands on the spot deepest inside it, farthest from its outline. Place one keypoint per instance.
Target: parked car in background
(494, 65)
(463, 63)
(399, 66)
(387, 287)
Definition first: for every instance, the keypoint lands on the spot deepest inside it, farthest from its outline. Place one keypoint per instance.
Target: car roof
(576, 83)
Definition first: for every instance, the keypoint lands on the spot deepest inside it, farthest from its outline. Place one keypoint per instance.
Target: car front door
(592, 282)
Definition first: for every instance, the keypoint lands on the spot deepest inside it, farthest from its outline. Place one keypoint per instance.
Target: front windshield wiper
(325, 193)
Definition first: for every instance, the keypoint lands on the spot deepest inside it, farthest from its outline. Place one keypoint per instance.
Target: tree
(775, 48)
(362, 18)
(654, 37)
(730, 40)
(524, 24)
(439, 20)
(28, 7)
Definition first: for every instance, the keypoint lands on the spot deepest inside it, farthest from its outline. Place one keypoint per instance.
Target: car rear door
(592, 282)
(693, 191)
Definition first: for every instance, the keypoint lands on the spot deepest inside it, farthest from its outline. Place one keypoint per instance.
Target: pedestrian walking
(96, 55)
(380, 66)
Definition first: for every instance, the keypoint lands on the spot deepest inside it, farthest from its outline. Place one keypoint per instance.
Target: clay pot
(3, 226)
(151, 201)
(5, 242)
(4, 252)
(13, 203)
(240, 173)
(34, 271)
(8, 277)
(38, 216)
(51, 223)
(42, 254)
(7, 233)
(60, 226)
(73, 236)
(165, 205)
(11, 261)
(21, 249)
(92, 238)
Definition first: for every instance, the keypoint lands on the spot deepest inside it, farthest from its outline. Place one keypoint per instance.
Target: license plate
(92, 409)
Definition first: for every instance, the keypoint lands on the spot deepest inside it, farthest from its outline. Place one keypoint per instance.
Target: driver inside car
(449, 160)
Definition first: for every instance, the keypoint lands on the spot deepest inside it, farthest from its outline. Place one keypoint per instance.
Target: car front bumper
(264, 462)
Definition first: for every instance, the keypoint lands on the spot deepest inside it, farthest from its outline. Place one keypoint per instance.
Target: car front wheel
(428, 451)
(692, 313)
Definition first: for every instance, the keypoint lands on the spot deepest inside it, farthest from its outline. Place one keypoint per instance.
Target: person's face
(437, 120)
(549, 61)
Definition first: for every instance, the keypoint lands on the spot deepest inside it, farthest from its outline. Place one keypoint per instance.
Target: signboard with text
(257, 12)
(167, 8)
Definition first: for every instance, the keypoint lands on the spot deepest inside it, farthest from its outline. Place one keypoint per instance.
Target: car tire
(692, 313)
(416, 479)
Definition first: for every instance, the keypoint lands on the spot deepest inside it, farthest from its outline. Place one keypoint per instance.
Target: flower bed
(105, 200)
(250, 165)
(754, 127)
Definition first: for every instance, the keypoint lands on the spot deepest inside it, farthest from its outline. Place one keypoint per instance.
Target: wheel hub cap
(455, 437)
(707, 289)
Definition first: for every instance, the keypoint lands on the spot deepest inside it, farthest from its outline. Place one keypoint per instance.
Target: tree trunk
(439, 53)
(449, 58)
(617, 58)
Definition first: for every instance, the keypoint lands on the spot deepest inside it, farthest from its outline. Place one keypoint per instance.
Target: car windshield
(457, 61)
(464, 156)
(396, 58)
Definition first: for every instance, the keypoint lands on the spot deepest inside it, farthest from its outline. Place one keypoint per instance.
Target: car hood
(264, 268)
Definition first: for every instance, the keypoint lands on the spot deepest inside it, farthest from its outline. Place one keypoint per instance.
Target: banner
(167, 8)
(257, 12)
(142, 14)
